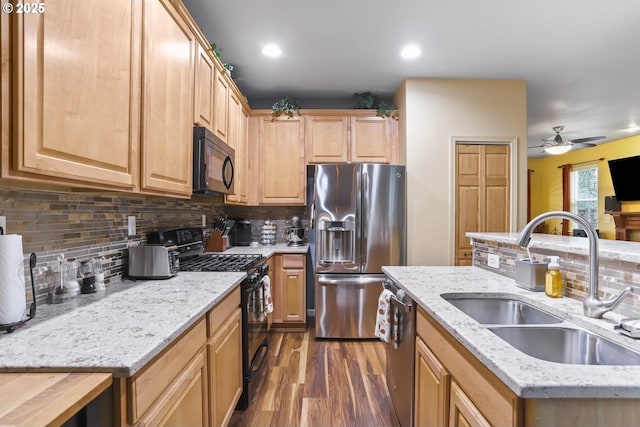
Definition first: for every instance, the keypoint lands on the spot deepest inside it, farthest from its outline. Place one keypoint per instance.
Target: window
(584, 194)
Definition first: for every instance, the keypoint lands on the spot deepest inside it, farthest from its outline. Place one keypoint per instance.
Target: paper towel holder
(10, 327)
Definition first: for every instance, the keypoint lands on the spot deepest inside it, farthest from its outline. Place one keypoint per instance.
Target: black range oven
(255, 341)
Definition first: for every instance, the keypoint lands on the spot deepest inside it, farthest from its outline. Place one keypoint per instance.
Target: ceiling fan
(557, 145)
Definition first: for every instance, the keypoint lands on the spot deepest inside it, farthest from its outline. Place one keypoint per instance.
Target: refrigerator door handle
(364, 220)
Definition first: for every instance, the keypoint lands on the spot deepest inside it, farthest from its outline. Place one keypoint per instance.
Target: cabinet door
(184, 402)
(326, 139)
(282, 166)
(290, 295)
(221, 105)
(76, 93)
(370, 139)
(237, 139)
(205, 77)
(168, 64)
(431, 388)
(463, 412)
(225, 369)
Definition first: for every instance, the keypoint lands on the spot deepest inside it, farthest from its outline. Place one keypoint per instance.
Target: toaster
(153, 262)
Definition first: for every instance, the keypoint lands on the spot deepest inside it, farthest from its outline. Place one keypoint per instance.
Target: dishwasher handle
(399, 309)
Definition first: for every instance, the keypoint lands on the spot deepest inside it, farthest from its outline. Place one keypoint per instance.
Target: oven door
(256, 328)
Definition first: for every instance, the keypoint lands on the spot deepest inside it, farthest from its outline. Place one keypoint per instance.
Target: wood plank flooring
(314, 383)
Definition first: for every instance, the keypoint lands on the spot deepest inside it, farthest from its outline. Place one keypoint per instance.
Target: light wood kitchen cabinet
(464, 389)
(75, 114)
(431, 388)
(224, 348)
(371, 139)
(168, 74)
(289, 293)
(238, 139)
(204, 79)
(463, 412)
(221, 104)
(172, 389)
(281, 165)
(350, 136)
(327, 138)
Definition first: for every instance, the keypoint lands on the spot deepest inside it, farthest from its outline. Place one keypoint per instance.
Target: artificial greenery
(217, 50)
(367, 100)
(284, 106)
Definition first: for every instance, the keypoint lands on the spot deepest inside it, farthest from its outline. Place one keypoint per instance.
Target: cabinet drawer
(290, 261)
(146, 386)
(221, 312)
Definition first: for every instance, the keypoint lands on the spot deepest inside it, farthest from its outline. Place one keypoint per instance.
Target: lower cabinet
(454, 388)
(289, 292)
(172, 389)
(224, 349)
(196, 381)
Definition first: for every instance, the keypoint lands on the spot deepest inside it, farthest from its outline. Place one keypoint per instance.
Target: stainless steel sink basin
(566, 345)
(499, 311)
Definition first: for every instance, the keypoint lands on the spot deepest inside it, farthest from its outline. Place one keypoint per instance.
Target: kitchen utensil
(294, 236)
(32, 308)
(88, 278)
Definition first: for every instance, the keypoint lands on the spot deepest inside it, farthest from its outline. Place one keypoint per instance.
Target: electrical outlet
(607, 219)
(3, 223)
(204, 221)
(131, 225)
(493, 260)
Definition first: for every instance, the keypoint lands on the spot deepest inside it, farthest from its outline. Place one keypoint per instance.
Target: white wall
(432, 112)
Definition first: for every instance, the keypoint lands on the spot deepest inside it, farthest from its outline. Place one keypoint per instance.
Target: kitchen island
(531, 383)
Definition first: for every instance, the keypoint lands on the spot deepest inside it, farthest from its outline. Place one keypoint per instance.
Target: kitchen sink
(500, 311)
(566, 345)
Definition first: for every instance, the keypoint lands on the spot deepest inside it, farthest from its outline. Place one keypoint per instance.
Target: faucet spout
(592, 304)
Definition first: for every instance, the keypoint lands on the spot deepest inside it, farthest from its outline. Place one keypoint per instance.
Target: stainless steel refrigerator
(359, 220)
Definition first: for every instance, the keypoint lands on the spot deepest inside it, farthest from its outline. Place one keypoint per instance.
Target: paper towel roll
(13, 300)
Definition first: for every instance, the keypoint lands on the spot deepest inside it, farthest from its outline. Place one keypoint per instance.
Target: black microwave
(213, 168)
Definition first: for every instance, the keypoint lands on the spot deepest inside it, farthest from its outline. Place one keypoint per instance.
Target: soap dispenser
(553, 278)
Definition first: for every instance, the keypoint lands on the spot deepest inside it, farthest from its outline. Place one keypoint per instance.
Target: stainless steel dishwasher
(400, 352)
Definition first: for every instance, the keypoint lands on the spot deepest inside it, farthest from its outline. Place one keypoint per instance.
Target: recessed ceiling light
(411, 51)
(271, 50)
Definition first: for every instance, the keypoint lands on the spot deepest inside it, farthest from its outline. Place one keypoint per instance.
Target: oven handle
(252, 371)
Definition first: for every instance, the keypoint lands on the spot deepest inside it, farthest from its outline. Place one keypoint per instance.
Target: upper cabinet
(203, 100)
(76, 94)
(167, 86)
(345, 136)
(221, 104)
(238, 140)
(327, 138)
(282, 170)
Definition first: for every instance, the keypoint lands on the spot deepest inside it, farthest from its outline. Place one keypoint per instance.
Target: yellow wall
(546, 180)
(432, 112)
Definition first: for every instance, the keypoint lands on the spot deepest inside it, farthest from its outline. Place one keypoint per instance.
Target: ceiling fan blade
(584, 144)
(589, 139)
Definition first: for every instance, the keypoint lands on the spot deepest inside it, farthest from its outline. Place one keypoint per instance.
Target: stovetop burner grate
(219, 262)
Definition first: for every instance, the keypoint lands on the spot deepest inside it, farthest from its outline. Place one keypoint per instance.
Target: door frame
(512, 142)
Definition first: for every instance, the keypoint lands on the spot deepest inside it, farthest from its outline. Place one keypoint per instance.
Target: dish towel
(268, 302)
(383, 331)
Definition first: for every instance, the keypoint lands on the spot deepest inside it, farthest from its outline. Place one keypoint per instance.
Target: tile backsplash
(614, 275)
(88, 225)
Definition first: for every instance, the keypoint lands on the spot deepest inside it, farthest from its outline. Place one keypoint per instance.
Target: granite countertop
(526, 376)
(268, 250)
(118, 332)
(617, 250)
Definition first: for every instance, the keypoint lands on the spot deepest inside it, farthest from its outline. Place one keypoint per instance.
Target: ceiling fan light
(557, 149)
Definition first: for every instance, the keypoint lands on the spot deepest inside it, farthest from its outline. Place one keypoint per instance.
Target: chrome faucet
(593, 306)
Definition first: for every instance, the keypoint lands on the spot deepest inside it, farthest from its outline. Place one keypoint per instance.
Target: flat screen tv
(624, 174)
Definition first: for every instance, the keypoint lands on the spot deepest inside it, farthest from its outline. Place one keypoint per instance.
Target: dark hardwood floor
(314, 383)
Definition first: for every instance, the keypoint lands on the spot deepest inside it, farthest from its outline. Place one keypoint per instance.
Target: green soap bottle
(553, 279)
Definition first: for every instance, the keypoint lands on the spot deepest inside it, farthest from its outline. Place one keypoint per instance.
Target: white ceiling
(580, 58)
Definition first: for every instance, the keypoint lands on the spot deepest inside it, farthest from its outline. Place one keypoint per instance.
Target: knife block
(217, 243)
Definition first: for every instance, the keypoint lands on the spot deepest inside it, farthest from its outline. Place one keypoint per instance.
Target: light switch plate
(493, 260)
(3, 223)
(131, 225)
